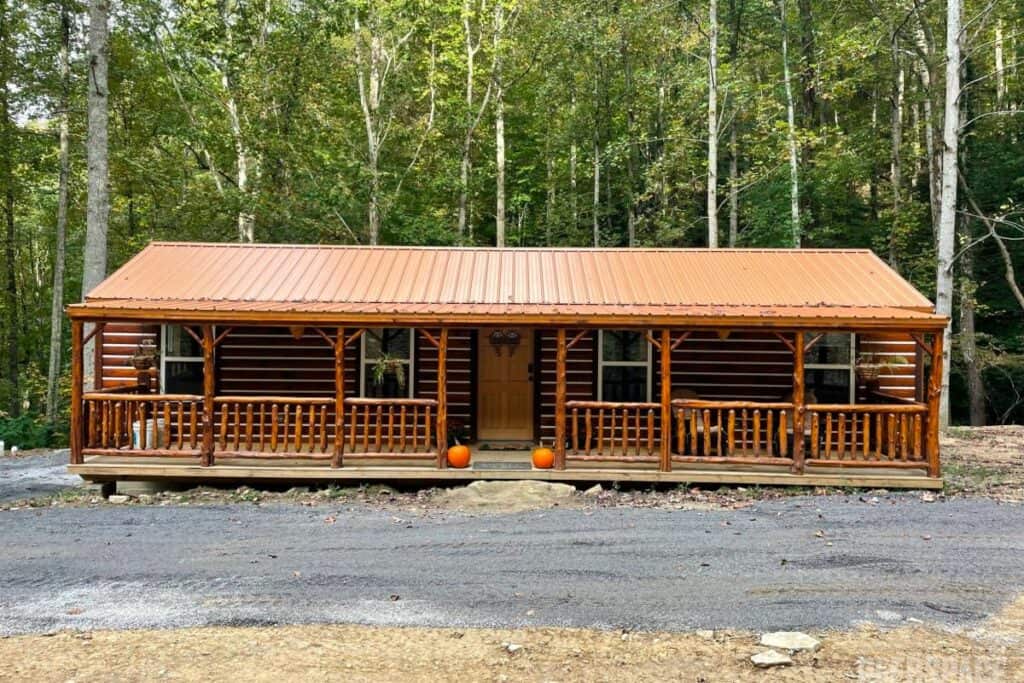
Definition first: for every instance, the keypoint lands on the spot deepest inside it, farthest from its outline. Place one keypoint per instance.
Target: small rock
(790, 640)
(594, 490)
(118, 499)
(927, 497)
(512, 648)
(706, 634)
(769, 659)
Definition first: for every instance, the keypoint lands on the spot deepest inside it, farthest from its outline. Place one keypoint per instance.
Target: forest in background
(765, 123)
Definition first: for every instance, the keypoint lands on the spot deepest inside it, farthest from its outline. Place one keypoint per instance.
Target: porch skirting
(227, 469)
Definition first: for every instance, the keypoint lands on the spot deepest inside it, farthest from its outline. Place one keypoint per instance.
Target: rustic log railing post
(339, 398)
(934, 396)
(560, 356)
(798, 403)
(665, 464)
(206, 454)
(442, 399)
(77, 379)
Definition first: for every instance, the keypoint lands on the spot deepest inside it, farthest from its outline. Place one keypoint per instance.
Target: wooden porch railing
(146, 424)
(600, 430)
(273, 426)
(388, 427)
(875, 435)
(732, 431)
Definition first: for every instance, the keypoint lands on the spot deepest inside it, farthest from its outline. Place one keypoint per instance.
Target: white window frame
(165, 358)
(850, 367)
(601, 363)
(364, 362)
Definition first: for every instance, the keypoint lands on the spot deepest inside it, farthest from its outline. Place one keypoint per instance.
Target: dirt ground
(986, 461)
(989, 653)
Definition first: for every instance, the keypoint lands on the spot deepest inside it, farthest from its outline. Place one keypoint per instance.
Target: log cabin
(312, 362)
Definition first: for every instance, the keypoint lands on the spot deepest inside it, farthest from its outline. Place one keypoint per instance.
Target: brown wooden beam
(934, 398)
(193, 334)
(680, 339)
(207, 342)
(326, 337)
(575, 340)
(339, 397)
(651, 340)
(814, 340)
(561, 352)
(789, 344)
(442, 399)
(429, 337)
(96, 329)
(222, 336)
(921, 344)
(355, 335)
(665, 464)
(799, 405)
(77, 379)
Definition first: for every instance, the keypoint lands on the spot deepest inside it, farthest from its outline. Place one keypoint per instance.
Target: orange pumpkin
(543, 458)
(458, 456)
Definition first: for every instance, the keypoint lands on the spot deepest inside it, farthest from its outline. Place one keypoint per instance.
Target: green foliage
(26, 431)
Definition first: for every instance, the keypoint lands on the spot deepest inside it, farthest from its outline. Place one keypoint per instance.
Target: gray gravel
(763, 568)
(30, 476)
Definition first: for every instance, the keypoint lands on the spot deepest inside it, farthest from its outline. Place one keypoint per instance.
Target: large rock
(790, 640)
(508, 496)
(766, 660)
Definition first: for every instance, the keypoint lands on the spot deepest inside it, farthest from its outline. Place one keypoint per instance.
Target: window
(624, 367)
(387, 363)
(829, 368)
(181, 362)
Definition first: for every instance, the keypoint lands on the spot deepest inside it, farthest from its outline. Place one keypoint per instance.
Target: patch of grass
(965, 477)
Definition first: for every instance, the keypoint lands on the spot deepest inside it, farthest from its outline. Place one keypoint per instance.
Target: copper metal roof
(465, 284)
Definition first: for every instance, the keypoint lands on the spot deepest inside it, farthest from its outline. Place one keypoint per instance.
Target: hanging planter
(389, 365)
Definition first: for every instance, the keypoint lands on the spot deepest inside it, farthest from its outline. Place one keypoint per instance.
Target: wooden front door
(505, 387)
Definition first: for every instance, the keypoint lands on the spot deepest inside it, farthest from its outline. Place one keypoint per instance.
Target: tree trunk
(499, 130)
(573, 200)
(57, 296)
(896, 163)
(597, 191)
(925, 51)
(713, 125)
(1000, 66)
(968, 338)
(794, 159)
(98, 205)
(948, 200)
(734, 187)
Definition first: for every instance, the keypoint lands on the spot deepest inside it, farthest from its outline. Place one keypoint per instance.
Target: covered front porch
(875, 438)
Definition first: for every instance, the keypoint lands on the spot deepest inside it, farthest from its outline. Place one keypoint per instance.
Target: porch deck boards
(282, 469)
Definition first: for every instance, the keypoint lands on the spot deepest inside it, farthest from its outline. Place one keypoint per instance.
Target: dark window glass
(624, 383)
(391, 342)
(624, 346)
(832, 349)
(829, 386)
(180, 344)
(183, 377)
(388, 387)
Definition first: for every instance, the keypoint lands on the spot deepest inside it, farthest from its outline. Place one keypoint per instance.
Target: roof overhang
(470, 315)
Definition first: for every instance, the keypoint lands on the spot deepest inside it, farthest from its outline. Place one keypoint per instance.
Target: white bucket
(137, 437)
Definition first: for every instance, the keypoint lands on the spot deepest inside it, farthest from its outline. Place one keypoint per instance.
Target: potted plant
(145, 355)
(870, 366)
(389, 365)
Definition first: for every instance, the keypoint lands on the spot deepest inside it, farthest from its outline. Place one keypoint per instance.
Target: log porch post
(77, 380)
(206, 454)
(442, 399)
(339, 399)
(665, 455)
(798, 403)
(934, 396)
(561, 351)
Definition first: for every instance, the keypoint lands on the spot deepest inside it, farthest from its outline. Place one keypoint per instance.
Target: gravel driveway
(796, 563)
(29, 476)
